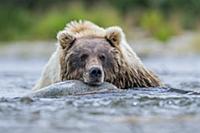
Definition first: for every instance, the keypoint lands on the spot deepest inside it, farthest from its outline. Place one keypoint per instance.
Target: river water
(130, 111)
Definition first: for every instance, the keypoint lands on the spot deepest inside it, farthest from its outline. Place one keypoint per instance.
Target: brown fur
(76, 42)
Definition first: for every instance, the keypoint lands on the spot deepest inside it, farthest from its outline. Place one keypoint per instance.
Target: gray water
(142, 110)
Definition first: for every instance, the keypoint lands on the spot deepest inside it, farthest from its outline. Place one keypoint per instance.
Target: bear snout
(95, 72)
(94, 76)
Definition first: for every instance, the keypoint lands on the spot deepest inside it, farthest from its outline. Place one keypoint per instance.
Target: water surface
(140, 111)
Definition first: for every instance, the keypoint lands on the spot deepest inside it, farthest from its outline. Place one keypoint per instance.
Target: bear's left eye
(102, 57)
(83, 57)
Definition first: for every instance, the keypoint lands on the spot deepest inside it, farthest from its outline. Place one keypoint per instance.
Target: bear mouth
(94, 83)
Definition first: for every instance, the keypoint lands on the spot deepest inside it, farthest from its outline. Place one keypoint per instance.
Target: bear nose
(95, 72)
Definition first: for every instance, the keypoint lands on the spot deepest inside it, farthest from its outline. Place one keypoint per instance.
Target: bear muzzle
(95, 73)
(94, 76)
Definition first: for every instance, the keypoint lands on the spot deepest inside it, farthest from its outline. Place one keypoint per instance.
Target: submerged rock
(26, 100)
(72, 87)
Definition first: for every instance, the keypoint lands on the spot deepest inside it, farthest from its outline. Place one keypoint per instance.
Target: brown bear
(93, 55)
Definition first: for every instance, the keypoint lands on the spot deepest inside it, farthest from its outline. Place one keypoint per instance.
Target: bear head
(92, 59)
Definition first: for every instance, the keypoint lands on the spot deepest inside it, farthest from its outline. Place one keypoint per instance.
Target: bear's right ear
(65, 39)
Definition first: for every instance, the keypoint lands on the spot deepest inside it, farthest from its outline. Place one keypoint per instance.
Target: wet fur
(117, 71)
(125, 69)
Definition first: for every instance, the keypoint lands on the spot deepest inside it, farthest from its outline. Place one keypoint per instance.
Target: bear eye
(84, 57)
(102, 57)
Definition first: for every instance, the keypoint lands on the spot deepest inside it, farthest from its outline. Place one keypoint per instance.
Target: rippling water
(140, 111)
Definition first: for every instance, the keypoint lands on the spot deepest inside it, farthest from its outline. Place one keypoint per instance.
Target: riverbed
(140, 110)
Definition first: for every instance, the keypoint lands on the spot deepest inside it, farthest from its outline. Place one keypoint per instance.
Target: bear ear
(114, 35)
(65, 39)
